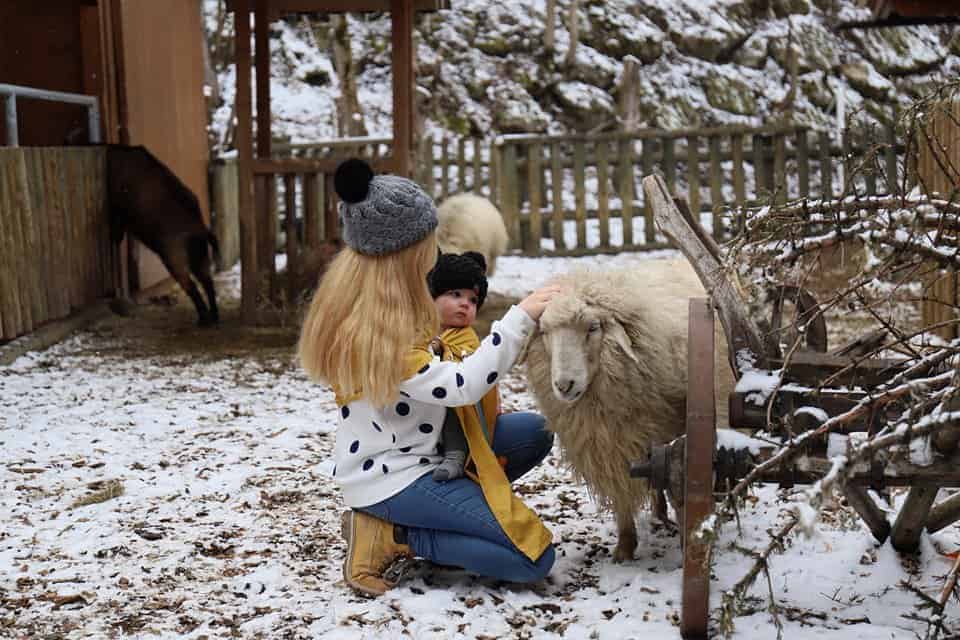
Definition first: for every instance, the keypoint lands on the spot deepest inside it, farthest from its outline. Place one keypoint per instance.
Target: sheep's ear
(616, 331)
(525, 347)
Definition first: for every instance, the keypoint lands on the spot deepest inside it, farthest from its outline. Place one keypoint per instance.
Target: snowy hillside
(482, 67)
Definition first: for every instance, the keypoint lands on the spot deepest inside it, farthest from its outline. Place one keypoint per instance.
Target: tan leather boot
(374, 562)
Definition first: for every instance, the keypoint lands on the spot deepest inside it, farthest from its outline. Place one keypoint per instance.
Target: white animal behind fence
(469, 222)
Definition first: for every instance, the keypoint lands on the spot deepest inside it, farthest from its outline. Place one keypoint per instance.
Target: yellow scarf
(519, 522)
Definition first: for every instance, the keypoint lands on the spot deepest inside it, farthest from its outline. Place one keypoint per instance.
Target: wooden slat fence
(55, 250)
(577, 195)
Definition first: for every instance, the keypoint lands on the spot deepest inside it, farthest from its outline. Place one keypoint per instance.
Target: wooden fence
(938, 172)
(576, 195)
(55, 252)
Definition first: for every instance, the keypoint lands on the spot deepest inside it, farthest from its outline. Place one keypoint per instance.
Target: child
(458, 284)
(366, 335)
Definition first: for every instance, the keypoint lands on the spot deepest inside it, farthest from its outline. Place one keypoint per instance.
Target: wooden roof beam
(282, 7)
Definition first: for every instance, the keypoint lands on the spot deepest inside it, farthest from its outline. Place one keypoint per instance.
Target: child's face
(457, 308)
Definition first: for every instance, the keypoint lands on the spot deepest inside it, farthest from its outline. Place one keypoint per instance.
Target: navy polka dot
(424, 461)
(394, 438)
(424, 368)
(405, 449)
(345, 412)
(405, 394)
(354, 446)
(385, 469)
(491, 377)
(426, 428)
(497, 339)
(439, 392)
(403, 408)
(367, 464)
(377, 427)
(460, 380)
(334, 470)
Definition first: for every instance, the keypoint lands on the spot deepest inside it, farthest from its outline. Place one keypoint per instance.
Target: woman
(366, 334)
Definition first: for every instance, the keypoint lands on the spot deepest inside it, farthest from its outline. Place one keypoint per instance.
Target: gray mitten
(452, 466)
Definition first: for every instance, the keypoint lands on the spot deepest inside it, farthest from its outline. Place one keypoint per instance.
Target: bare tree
(550, 29)
(350, 121)
(573, 26)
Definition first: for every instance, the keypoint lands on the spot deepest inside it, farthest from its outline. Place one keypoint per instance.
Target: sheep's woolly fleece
(227, 524)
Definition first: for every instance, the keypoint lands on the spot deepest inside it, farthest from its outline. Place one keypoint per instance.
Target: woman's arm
(454, 384)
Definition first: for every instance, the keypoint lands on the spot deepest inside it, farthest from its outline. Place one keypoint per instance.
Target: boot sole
(346, 530)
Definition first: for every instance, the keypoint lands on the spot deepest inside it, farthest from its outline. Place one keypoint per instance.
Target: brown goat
(149, 201)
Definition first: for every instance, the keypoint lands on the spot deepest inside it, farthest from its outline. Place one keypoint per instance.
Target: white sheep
(469, 222)
(608, 370)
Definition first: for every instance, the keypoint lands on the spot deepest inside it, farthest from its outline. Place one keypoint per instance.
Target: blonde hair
(366, 315)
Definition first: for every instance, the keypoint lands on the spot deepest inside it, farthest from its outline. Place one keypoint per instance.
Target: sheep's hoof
(622, 554)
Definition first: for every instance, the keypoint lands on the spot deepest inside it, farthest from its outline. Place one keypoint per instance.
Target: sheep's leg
(660, 510)
(627, 535)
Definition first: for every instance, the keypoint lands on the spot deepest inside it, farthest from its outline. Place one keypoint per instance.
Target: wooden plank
(24, 249)
(444, 168)
(944, 513)
(875, 518)
(698, 462)
(37, 191)
(331, 217)
(244, 144)
(580, 192)
(759, 165)
(780, 186)
(603, 194)
(535, 157)
(739, 180)
(402, 57)
(72, 228)
(430, 183)
(625, 152)
(462, 164)
(55, 173)
(826, 166)
(803, 164)
(716, 188)
(693, 175)
(646, 169)
(478, 181)
(556, 187)
(9, 289)
(669, 163)
(510, 194)
(311, 217)
(294, 268)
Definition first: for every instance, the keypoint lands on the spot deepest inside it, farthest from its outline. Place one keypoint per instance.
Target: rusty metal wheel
(698, 467)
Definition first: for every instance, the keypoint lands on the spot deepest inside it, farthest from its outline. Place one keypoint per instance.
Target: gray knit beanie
(381, 214)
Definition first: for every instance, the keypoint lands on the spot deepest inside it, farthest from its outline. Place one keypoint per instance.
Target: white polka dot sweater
(382, 450)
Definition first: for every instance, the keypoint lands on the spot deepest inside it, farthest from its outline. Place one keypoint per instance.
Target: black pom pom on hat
(352, 180)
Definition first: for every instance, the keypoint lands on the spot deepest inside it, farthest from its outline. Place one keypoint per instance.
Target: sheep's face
(573, 343)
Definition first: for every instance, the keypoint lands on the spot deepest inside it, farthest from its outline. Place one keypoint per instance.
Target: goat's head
(579, 338)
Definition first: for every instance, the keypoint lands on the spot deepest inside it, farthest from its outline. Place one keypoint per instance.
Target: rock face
(483, 68)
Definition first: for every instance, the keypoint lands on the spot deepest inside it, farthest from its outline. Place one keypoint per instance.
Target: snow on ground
(227, 524)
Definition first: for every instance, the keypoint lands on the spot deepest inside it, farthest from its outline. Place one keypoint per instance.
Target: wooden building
(142, 58)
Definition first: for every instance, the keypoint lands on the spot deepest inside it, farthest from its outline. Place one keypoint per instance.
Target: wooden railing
(55, 250)
(573, 195)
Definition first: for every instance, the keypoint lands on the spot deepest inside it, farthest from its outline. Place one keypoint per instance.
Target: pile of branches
(909, 239)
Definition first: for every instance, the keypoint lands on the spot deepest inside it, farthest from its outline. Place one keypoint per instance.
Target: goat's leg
(178, 269)
(202, 267)
(626, 533)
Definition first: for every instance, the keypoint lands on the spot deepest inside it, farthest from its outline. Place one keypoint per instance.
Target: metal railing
(12, 91)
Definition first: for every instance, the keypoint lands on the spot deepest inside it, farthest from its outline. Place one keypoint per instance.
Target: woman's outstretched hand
(536, 302)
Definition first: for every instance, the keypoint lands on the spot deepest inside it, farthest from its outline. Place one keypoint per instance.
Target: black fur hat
(459, 271)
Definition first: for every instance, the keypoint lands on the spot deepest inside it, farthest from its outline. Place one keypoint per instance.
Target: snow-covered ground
(227, 524)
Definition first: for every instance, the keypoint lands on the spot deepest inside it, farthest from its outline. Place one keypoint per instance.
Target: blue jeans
(450, 523)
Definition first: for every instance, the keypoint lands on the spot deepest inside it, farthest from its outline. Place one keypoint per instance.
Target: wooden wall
(163, 88)
(55, 253)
